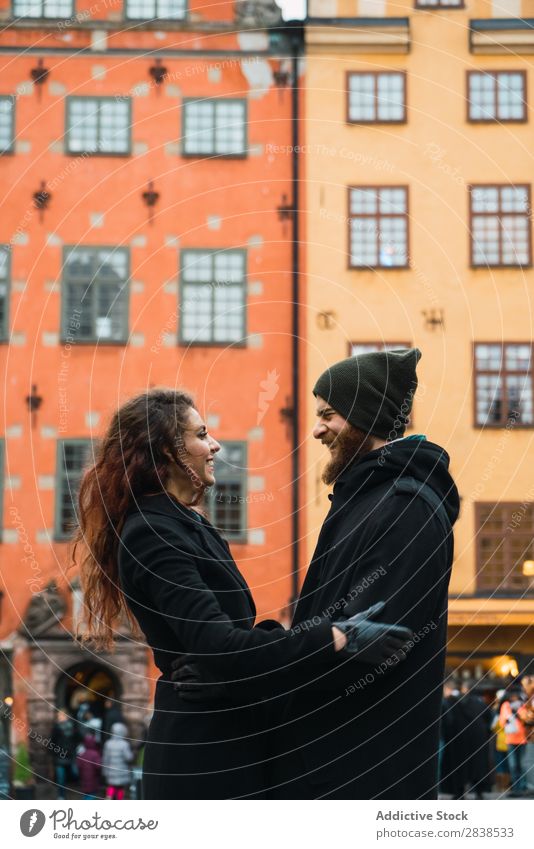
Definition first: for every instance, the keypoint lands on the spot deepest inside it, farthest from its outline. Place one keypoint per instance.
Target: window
(42, 8)
(439, 4)
(7, 121)
(4, 292)
(497, 95)
(500, 226)
(503, 384)
(370, 347)
(214, 127)
(227, 502)
(213, 297)
(378, 227)
(166, 10)
(376, 97)
(72, 457)
(98, 125)
(505, 539)
(95, 295)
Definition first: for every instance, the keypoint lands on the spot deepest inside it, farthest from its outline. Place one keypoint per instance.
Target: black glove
(350, 611)
(196, 683)
(373, 642)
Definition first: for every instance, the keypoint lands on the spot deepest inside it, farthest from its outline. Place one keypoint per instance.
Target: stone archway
(52, 661)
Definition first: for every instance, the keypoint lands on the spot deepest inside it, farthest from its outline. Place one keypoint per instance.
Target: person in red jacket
(89, 763)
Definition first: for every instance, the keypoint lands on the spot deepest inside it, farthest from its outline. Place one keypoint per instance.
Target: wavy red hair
(130, 461)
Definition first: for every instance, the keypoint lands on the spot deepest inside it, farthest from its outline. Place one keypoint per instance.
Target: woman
(151, 554)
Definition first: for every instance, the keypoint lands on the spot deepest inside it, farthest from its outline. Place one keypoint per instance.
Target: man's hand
(195, 683)
(373, 642)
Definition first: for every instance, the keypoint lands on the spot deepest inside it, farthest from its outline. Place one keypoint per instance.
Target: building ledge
(357, 35)
(508, 36)
(491, 611)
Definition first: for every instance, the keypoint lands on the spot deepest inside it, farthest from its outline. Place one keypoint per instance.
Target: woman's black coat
(185, 590)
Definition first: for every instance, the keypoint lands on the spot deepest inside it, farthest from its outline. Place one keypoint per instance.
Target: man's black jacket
(361, 732)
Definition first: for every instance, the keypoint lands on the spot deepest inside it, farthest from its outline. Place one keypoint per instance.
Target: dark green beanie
(374, 391)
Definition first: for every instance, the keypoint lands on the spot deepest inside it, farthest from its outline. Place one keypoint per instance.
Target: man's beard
(349, 445)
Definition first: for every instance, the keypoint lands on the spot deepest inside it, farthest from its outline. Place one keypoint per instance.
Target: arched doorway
(87, 686)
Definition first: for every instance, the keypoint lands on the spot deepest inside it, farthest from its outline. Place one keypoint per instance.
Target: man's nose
(319, 430)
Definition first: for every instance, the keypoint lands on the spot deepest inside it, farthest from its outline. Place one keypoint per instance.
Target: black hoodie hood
(412, 457)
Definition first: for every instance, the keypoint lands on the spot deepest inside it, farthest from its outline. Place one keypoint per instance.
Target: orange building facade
(146, 239)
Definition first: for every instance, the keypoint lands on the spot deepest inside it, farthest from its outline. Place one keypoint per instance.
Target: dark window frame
(95, 339)
(375, 75)
(69, 100)
(472, 215)
(241, 476)
(62, 485)
(503, 423)
(4, 326)
(213, 155)
(494, 73)
(512, 506)
(183, 283)
(378, 216)
(11, 149)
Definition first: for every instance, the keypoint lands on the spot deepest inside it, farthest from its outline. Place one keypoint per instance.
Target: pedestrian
(500, 749)
(63, 741)
(516, 739)
(112, 714)
(116, 759)
(89, 762)
(466, 759)
(147, 552)
(5, 765)
(526, 715)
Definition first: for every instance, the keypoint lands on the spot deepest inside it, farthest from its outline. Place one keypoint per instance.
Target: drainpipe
(296, 37)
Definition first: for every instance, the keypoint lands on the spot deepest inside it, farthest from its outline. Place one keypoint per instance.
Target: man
(526, 715)
(465, 728)
(361, 733)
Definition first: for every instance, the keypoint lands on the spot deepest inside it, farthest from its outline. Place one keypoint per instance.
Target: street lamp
(528, 568)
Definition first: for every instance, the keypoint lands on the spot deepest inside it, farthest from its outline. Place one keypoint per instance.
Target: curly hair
(131, 460)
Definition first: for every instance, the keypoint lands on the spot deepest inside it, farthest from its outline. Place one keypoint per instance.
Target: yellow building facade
(419, 165)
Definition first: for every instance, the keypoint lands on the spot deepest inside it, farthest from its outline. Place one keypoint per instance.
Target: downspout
(296, 38)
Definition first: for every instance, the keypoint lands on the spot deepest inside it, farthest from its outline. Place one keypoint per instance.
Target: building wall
(97, 200)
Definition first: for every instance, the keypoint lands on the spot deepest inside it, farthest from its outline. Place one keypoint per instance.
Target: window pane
(6, 124)
(511, 96)
(364, 241)
(199, 127)
(196, 313)
(393, 246)
(362, 103)
(390, 97)
(364, 201)
(230, 127)
(485, 199)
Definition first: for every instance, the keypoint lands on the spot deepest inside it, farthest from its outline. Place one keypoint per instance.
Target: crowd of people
(93, 753)
(487, 746)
